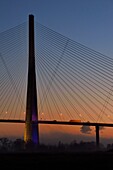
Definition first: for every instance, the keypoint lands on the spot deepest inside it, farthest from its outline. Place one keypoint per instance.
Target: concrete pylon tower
(31, 133)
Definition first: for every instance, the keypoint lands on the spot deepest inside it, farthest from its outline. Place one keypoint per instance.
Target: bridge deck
(59, 122)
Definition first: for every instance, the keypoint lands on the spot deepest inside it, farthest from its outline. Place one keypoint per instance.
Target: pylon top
(31, 15)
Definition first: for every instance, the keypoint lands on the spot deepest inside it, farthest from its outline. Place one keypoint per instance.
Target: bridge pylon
(31, 133)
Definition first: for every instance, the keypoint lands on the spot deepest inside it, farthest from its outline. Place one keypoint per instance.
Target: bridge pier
(97, 136)
(31, 128)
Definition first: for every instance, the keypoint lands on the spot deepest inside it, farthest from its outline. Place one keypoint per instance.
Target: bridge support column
(97, 136)
(31, 128)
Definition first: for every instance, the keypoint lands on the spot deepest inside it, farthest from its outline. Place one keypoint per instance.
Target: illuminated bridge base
(31, 133)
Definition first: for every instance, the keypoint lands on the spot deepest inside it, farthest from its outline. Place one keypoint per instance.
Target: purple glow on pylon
(35, 134)
(34, 117)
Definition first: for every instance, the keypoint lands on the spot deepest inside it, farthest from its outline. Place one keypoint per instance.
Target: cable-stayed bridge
(73, 81)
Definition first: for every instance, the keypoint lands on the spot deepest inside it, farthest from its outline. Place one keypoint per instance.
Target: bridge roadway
(97, 125)
(58, 122)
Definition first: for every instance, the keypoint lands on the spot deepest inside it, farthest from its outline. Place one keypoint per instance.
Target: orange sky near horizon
(52, 134)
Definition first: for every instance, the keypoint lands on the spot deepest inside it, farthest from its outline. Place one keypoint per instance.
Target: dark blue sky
(89, 22)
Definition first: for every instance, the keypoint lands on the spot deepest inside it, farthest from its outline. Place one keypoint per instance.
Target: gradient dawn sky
(89, 22)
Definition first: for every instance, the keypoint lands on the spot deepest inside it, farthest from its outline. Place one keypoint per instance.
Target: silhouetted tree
(19, 145)
(5, 144)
